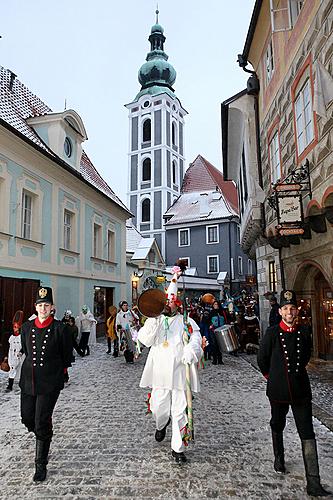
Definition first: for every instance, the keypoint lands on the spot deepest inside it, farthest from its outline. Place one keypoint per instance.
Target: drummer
(165, 370)
(216, 320)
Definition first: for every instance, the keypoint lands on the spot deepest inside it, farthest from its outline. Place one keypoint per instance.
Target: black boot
(42, 452)
(310, 457)
(160, 435)
(109, 346)
(10, 385)
(277, 438)
(87, 351)
(180, 458)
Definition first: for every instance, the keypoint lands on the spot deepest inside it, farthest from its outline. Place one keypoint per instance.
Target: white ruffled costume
(164, 371)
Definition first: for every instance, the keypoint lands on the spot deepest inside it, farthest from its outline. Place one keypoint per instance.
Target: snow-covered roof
(143, 249)
(199, 206)
(18, 103)
(133, 237)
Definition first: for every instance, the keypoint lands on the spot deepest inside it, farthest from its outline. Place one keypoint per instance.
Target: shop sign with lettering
(289, 209)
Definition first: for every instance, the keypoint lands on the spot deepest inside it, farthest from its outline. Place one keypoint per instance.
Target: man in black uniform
(48, 349)
(284, 352)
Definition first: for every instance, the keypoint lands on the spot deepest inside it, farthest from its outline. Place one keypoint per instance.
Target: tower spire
(157, 13)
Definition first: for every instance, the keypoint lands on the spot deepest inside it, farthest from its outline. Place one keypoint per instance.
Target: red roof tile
(196, 179)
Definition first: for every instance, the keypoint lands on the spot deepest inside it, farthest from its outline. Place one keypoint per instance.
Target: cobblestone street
(104, 445)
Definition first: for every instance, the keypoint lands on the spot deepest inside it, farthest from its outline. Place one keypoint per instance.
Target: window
(295, 7)
(249, 267)
(27, 203)
(238, 233)
(244, 176)
(186, 261)
(68, 229)
(284, 14)
(304, 117)
(174, 134)
(183, 237)
(68, 148)
(274, 152)
(269, 62)
(272, 276)
(146, 130)
(146, 170)
(111, 246)
(232, 268)
(213, 263)
(212, 234)
(97, 250)
(240, 265)
(174, 172)
(145, 210)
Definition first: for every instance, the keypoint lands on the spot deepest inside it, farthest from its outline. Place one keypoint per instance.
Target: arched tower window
(174, 172)
(146, 169)
(145, 210)
(146, 130)
(174, 134)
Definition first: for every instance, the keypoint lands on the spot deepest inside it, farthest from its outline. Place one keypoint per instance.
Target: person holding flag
(171, 369)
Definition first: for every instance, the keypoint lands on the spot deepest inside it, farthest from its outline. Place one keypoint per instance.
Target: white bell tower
(156, 149)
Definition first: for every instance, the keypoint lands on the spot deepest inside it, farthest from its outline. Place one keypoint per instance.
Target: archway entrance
(315, 293)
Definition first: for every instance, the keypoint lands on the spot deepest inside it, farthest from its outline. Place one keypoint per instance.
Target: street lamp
(135, 280)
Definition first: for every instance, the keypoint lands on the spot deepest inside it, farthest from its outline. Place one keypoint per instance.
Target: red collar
(45, 323)
(287, 328)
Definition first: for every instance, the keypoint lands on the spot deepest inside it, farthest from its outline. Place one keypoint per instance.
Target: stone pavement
(104, 447)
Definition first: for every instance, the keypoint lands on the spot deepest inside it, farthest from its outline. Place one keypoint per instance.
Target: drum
(226, 338)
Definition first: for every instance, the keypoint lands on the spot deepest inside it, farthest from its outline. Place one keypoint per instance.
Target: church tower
(156, 150)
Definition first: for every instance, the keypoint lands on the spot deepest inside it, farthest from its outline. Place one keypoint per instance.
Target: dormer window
(68, 148)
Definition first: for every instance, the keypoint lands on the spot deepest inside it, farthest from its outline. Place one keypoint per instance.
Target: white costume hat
(173, 288)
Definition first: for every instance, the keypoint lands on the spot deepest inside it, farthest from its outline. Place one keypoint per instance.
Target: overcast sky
(89, 53)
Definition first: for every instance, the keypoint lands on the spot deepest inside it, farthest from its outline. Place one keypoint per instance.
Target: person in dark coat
(48, 350)
(217, 319)
(274, 315)
(284, 352)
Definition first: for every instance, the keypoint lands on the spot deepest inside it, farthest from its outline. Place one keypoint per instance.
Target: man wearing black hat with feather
(284, 352)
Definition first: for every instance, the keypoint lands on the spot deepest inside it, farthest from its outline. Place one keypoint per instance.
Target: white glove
(188, 356)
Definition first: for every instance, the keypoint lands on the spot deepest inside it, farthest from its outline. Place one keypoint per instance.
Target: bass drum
(151, 302)
(226, 338)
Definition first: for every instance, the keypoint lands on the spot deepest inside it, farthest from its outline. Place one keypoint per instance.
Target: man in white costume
(86, 324)
(165, 370)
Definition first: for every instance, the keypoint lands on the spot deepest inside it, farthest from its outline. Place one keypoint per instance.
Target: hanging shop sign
(289, 209)
(286, 200)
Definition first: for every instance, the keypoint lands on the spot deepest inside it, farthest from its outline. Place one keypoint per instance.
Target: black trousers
(36, 413)
(84, 341)
(302, 411)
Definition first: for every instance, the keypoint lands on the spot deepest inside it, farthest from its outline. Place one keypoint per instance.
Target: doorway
(103, 298)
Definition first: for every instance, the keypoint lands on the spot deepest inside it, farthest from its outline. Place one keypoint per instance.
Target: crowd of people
(41, 351)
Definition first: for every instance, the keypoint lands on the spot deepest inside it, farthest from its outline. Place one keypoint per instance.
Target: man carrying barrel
(165, 370)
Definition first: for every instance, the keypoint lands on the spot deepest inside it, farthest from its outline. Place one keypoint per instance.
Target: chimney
(204, 207)
(12, 79)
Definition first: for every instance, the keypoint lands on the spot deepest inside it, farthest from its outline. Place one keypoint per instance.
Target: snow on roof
(143, 249)
(133, 237)
(189, 208)
(18, 103)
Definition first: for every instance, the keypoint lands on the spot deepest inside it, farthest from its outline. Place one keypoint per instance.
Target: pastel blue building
(61, 225)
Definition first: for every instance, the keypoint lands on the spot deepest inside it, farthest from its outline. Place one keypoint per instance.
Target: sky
(88, 54)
